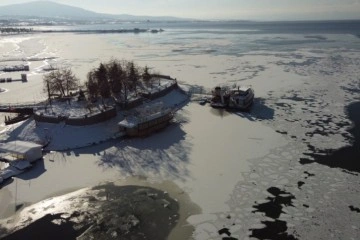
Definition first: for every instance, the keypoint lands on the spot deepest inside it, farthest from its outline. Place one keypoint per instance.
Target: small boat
(146, 119)
(240, 98)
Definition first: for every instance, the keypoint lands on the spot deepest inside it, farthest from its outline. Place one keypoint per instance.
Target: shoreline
(96, 31)
(131, 188)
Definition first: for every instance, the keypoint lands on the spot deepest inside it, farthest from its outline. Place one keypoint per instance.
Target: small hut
(16, 150)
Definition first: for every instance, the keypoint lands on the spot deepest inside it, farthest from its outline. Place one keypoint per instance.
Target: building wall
(161, 93)
(93, 119)
(47, 118)
(79, 121)
(33, 154)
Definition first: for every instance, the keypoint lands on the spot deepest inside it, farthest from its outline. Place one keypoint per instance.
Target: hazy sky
(223, 9)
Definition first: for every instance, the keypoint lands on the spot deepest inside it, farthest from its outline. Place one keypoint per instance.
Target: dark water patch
(138, 211)
(224, 231)
(347, 158)
(308, 174)
(352, 90)
(273, 208)
(47, 228)
(354, 209)
(274, 230)
(322, 126)
(300, 184)
(305, 161)
(282, 132)
(104, 212)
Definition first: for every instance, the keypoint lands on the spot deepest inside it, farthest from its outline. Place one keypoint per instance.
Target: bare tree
(53, 83)
(61, 82)
(71, 82)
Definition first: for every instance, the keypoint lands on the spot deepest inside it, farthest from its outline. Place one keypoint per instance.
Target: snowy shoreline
(63, 137)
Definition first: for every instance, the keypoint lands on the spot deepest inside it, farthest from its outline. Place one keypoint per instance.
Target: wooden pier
(16, 68)
(8, 80)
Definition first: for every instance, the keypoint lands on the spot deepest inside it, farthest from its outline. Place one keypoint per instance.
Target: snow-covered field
(228, 163)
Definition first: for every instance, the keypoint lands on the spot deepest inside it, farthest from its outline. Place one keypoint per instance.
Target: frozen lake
(228, 163)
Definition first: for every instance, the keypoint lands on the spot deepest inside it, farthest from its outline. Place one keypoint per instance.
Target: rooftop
(18, 147)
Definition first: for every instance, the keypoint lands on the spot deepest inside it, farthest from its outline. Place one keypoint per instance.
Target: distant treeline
(15, 30)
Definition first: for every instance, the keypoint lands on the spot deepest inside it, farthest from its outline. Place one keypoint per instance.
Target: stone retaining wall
(161, 93)
(93, 119)
(105, 114)
(78, 121)
(147, 96)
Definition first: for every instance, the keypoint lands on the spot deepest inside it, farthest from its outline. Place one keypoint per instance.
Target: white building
(17, 150)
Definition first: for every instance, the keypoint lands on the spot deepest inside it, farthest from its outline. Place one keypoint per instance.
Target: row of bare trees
(114, 78)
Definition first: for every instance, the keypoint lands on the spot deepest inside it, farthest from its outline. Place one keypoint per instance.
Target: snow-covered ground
(228, 163)
(67, 137)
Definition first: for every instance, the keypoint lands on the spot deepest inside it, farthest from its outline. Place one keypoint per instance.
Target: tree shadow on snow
(164, 153)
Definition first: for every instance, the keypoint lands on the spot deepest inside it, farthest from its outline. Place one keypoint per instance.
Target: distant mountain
(48, 9)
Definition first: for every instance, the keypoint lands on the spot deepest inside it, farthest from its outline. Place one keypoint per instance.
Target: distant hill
(48, 9)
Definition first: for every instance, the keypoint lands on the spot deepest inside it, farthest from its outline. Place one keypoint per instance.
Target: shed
(22, 150)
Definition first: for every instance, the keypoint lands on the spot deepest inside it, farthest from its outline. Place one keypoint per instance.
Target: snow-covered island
(79, 119)
(129, 107)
